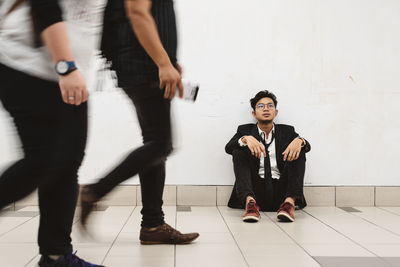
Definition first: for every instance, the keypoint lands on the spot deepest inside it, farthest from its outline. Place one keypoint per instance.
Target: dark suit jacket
(284, 135)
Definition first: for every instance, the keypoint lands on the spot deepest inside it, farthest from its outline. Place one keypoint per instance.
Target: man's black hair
(260, 95)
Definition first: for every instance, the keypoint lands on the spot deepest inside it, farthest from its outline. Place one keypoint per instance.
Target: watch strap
(71, 66)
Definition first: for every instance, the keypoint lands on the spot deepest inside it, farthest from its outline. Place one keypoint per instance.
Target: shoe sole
(251, 219)
(284, 217)
(166, 243)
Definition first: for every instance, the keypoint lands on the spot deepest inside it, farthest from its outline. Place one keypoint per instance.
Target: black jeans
(153, 112)
(249, 183)
(53, 137)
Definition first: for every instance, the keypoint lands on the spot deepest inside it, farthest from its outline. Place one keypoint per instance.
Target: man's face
(265, 111)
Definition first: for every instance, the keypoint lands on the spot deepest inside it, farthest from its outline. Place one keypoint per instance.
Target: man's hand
(72, 85)
(145, 28)
(170, 79)
(293, 150)
(255, 146)
(73, 88)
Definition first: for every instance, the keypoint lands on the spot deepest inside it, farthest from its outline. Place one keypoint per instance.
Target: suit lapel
(278, 147)
(255, 133)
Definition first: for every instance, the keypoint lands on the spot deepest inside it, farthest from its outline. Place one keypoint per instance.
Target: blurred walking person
(140, 40)
(44, 91)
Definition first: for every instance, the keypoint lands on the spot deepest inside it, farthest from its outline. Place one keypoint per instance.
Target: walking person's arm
(53, 32)
(144, 26)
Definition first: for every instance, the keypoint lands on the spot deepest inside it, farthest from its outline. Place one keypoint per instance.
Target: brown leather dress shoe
(286, 212)
(165, 234)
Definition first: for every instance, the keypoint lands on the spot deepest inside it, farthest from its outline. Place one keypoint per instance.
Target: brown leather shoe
(286, 212)
(252, 213)
(165, 234)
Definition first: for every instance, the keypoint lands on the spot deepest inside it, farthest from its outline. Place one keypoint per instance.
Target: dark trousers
(153, 112)
(53, 138)
(249, 183)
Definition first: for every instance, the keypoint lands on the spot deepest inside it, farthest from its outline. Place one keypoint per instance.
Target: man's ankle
(248, 199)
(152, 228)
(290, 200)
(52, 257)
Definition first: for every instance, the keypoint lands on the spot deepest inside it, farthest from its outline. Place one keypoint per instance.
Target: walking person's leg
(28, 102)
(53, 138)
(152, 186)
(57, 199)
(58, 195)
(154, 116)
(154, 151)
(153, 112)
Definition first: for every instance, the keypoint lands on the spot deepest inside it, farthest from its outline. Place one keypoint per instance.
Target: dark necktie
(269, 190)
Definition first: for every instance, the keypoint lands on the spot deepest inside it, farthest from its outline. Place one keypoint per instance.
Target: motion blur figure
(49, 111)
(140, 40)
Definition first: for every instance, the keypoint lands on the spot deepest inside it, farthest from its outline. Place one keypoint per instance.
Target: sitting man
(269, 164)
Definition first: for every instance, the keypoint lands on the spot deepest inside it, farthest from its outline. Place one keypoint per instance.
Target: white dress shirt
(272, 154)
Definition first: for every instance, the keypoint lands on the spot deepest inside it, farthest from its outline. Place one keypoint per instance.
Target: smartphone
(190, 91)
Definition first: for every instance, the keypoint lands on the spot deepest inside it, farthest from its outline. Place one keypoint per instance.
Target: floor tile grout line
(298, 244)
(392, 212)
(31, 260)
(381, 227)
(233, 237)
(216, 196)
(176, 196)
(34, 257)
(176, 224)
(355, 242)
(115, 239)
(176, 221)
(1, 235)
(335, 196)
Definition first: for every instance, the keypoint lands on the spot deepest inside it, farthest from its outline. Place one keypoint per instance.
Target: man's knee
(165, 147)
(241, 153)
(300, 160)
(67, 163)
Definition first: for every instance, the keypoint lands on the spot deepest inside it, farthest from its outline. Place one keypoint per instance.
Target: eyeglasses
(261, 106)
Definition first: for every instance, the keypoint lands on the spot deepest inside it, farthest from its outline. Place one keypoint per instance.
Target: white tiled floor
(321, 236)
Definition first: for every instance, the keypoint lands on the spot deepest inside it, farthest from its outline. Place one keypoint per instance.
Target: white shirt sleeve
(241, 142)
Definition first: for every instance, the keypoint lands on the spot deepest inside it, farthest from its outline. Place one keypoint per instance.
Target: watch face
(62, 67)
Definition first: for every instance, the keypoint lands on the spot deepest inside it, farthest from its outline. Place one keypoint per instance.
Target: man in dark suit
(269, 163)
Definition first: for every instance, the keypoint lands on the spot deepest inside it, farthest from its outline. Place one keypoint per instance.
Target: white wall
(334, 66)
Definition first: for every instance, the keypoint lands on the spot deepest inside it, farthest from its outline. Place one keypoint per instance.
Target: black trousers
(53, 138)
(153, 112)
(249, 183)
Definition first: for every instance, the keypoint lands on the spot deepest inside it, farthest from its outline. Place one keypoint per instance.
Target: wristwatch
(64, 67)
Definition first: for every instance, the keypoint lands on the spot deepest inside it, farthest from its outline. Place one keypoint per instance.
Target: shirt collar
(262, 133)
